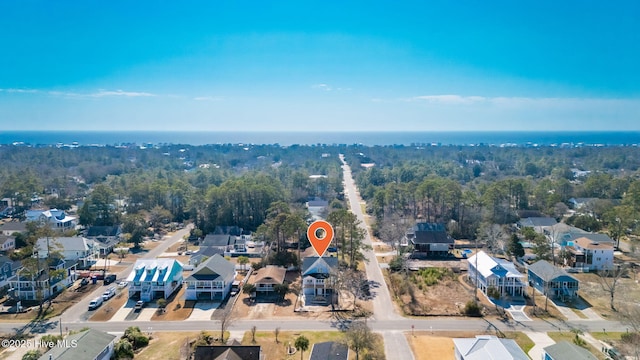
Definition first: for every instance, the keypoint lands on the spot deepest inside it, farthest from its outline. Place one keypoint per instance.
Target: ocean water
(603, 138)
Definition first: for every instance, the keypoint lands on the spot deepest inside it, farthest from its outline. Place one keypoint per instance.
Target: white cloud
(103, 93)
(20, 91)
(208, 98)
(449, 99)
(324, 87)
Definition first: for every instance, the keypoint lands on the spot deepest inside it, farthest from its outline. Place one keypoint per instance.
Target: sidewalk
(541, 340)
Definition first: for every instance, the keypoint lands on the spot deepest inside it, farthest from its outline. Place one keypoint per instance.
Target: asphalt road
(395, 344)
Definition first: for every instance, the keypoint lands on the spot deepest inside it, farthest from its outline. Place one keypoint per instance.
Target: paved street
(396, 345)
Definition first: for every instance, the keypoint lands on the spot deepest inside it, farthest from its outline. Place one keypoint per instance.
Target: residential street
(383, 309)
(385, 319)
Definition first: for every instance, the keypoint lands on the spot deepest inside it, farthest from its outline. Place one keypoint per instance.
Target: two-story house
(486, 271)
(552, 281)
(590, 255)
(211, 280)
(75, 248)
(105, 237)
(8, 270)
(155, 278)
(7, 243)
(318, 275)
(58, 219)
(45, 278)
(429, 240)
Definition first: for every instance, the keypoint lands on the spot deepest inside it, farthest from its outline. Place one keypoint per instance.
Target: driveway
(203, 310)
(541, 340)
(517, 313)
(124, 311)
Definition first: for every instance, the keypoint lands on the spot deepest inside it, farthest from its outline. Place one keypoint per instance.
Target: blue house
(552, 281)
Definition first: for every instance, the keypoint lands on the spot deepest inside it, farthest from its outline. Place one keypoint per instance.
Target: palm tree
(302, 344)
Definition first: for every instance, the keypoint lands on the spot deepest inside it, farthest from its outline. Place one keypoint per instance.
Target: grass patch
(165, 345)
(521, 339)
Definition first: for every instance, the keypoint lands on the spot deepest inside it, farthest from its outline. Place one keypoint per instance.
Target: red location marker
(320, 234)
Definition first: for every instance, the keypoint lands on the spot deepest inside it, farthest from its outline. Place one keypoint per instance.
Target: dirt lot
(166, 345)
(446, 298)
(177, 307)
(591, 291)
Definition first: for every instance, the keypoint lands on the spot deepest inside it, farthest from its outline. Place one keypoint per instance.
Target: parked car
(109, 279)
(111, 292)
(139, 305)
(95, 303)
(123, 284)
(84, 282)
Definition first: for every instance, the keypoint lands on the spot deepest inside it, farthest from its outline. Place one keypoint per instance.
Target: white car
(123, 284)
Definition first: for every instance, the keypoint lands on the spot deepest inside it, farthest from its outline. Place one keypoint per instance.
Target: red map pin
(320, 234)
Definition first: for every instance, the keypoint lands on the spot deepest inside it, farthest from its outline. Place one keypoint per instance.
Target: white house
(89, 345)
(211, 280)
(11, 227)
(155, 278)
(70, 248)
(58, 219)
(484, 347)
(317, 277)
(40, 284)
(592, 255)
(486, 271)
(7, 242)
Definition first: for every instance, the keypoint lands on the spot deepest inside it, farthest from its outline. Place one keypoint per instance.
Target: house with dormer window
(155, 278)
(211, 280)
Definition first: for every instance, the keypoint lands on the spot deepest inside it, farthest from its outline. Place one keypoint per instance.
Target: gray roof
(547, 272)
(538, 221)
(314, 265)
(90, 344)
(329, 350)
(75, 243)
(484, 347)
(228, 352)
(214, 268)
(567, 351)
(14, 226)
(601, 238)
(216, 240)
(96, 231)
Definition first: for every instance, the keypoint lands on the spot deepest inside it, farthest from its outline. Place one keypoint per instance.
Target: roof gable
(214, 268)
(489, 347)
(566, 350)
(314, 265)
(488, 265)
(547, 271)
(90, 344)
(271, 275)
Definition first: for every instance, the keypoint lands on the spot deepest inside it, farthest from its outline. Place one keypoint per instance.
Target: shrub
(472, 308)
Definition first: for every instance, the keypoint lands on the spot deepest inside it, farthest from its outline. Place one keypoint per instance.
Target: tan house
(268, 277)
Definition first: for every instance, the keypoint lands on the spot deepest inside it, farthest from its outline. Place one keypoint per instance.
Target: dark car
(109, 279)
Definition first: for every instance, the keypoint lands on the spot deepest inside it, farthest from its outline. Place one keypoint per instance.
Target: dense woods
(264, 187)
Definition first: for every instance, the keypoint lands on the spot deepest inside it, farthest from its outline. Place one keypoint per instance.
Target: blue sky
(318, 65)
